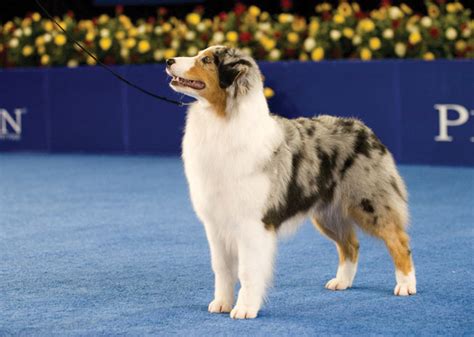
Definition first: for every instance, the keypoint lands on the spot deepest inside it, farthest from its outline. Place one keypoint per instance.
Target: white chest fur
(224, 160)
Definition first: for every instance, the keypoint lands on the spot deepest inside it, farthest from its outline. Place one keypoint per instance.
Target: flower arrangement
(345, 31)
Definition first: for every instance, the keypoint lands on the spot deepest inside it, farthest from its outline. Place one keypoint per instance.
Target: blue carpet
(109, 245)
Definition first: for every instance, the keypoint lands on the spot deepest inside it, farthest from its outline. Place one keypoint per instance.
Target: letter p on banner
(444, 122)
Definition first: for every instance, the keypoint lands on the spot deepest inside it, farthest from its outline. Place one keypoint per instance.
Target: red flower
(199, 9)
(290, 52)
(360, 15)
(385, 3)
(119, 9)
(463, 26)
(434, 32)
(245, 36)
(326, 16)
(109, 59)
(151, 20)
(277, 35)
(286, 4)
(70, 14)
(223, 16)
(162, 11)
(205, 37)
(239, 8)
(395, 24)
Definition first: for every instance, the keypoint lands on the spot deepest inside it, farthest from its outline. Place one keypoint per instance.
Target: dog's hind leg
(348, 248)
(389, 225)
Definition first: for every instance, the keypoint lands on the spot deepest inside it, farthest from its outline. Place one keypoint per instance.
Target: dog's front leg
(224, 265)
(256, 249)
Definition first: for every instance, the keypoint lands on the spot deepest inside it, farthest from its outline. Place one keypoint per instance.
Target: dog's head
(219, 75)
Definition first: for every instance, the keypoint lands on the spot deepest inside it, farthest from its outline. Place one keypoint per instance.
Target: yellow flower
(285, 18)
(27, 50)
(39, 41)
(45, 59)
(193, 18)
(166, 27)
(254, 11)
(344, 9)
(324, 7)
(105, 43)
(120, 35)
(356, 7)
(60, 39)
(130, 42)
(267, 43)
(104, 18)
(90, 36)
(292, 37)
(406, 9)
(41, 50)
(414, 37)
(338, 18)
(268, 92)
(264, 16)
(298, 25)
(143, 46)
(367, 25)
(90, 61)
(433, 11)
(428, 56)
(451, 8)
(375, 43)
(48, 26)
(132, 32)
(365, 54)
(1, 47)
(348, 32)
(169, 53)
(460, 45)
(317, 54)
(36, 17)
(313, 27)
(303, 57)
(232, 36)
(26, 22)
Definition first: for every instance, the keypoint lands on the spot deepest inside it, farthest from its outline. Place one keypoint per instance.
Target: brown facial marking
(208, 74)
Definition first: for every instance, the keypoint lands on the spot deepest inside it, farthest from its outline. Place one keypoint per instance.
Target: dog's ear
(230, 73)
(227, 75)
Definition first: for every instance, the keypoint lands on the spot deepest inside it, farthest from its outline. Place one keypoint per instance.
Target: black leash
(110, 70)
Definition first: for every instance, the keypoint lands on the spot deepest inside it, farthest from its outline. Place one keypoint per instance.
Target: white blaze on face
(181, 66)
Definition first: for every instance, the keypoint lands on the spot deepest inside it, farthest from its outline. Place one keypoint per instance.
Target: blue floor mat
(109, 245)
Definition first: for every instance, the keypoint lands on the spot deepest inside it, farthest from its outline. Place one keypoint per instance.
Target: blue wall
(86, 109)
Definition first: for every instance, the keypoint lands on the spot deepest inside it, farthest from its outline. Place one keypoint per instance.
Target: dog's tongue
(191, 83)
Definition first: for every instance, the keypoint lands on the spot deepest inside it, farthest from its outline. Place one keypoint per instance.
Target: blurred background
(97, 233)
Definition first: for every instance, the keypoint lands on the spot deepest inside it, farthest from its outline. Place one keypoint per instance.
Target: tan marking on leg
(391, 230)
(347, 246)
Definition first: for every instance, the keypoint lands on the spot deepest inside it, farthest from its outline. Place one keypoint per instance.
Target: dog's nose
(169, 62)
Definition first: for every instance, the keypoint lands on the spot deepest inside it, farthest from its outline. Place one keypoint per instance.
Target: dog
(253, 175)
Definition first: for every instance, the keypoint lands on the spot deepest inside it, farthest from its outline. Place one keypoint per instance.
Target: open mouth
(179, 81)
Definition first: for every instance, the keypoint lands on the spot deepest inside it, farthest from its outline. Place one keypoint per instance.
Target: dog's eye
(206, 60)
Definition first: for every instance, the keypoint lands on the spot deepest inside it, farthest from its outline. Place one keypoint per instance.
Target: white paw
(337, 284)
(406, 284)
(404, 289)
(218, 306)
(240, 312)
